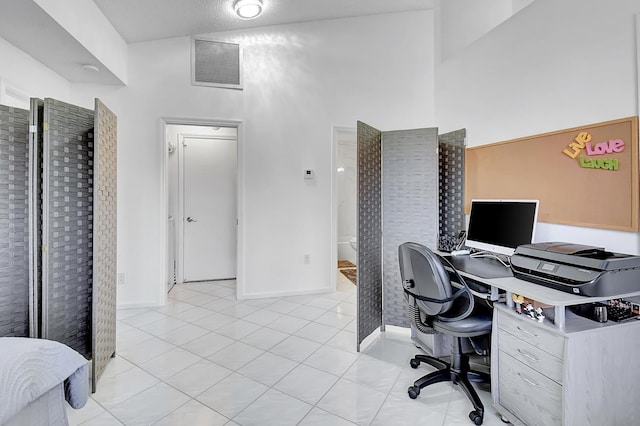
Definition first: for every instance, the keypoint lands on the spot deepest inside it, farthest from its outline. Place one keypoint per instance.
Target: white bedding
(30, 368)
(47, 410)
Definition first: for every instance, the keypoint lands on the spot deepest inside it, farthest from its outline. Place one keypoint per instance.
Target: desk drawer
(531, 356)
(533, 333)
(532, 397)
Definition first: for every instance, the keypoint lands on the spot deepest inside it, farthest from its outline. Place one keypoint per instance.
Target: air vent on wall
(215, 63)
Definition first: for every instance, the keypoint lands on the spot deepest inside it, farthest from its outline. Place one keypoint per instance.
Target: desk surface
(549, 296)
(531, 290)
(545, 295)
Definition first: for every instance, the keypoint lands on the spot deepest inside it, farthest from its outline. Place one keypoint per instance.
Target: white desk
(569, 371)
(548, 296)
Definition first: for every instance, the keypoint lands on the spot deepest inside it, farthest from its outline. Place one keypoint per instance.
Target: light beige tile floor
(207, 359)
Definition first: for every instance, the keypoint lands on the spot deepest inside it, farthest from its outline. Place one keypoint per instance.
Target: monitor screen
(500, 226)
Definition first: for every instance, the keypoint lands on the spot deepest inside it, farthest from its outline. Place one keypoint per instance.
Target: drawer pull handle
(526, 332)
(531, 382)
(527, 355)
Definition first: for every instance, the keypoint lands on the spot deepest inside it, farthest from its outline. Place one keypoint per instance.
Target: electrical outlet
(307, 259)
(122, 278)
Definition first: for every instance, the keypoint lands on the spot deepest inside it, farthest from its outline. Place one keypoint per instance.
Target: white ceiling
(27, 26)
(141, 20)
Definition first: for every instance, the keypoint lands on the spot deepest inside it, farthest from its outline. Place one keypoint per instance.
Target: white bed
(36, 377)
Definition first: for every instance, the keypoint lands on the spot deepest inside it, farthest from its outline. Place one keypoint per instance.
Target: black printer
(577, 269)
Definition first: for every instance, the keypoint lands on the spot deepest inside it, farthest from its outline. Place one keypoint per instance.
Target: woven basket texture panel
(369, 230)
(410, 207)
(104, 240)
(14, 222)
(68, 221)
(451, 187)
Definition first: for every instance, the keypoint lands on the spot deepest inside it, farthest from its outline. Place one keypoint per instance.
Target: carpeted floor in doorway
(349, 270)
(345, 264)
(350, 273)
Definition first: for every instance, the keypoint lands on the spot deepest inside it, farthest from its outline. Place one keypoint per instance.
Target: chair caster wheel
(475, 418)
(414, 363)
(413, 391)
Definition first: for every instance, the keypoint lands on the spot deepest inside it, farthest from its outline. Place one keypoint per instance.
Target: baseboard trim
(138, 305)
(284, 293)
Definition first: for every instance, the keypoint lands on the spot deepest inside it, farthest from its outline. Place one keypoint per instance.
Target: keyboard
(483, 267)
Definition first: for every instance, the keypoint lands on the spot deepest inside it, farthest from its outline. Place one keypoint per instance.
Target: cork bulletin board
(584, 176)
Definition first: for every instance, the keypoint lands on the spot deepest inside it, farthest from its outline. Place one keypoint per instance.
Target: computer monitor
(499, 226)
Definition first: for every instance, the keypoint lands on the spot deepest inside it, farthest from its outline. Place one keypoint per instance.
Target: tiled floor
(207, 359)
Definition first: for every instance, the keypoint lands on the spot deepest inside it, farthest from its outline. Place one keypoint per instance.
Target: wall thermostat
(308, 174)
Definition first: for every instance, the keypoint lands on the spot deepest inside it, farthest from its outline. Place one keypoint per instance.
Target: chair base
(445, 373)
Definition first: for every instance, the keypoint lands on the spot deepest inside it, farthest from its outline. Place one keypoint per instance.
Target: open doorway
(345, 201)
(202, 199)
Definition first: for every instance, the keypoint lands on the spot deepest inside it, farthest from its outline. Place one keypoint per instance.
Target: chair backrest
(421, 265)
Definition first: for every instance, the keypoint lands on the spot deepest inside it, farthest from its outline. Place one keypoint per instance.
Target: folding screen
(67, 240)
(451, 157)
(14, 222)
(104, 240)
(58, 226)
(369, 280)
(410, 188)
(409, 207)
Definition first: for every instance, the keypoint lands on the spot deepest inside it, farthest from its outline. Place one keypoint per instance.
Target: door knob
(190, 219)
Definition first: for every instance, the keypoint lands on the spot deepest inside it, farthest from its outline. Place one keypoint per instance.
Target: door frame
(336, 131)
(181, 170)
(164, 196)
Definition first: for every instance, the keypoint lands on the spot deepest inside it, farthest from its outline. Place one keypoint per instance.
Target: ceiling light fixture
(90, 68)
(248, 9)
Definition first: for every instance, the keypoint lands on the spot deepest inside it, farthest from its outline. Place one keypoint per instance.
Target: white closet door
(210, 216)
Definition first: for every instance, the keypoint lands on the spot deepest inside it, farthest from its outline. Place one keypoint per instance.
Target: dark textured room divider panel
(35, 215)
(369, 283)
(451, 160)
(67, 225)
(104, 240)
(409, 207)
(14, 222)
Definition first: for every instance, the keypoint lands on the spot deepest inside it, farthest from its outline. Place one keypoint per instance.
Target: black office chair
(436, 307)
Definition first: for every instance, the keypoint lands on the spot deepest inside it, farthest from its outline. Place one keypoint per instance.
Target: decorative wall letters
(583, 141)
(579, 143)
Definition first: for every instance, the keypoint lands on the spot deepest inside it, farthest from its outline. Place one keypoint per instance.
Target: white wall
(88, 25)
(21, 73)
(554, 65)
(300, 80)
(518, 5)
(461, 22)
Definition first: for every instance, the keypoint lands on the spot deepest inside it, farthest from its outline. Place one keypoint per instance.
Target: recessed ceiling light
(248, 9)
(90, 68)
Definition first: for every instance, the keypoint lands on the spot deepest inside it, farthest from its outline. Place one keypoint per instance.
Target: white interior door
(209, 208)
